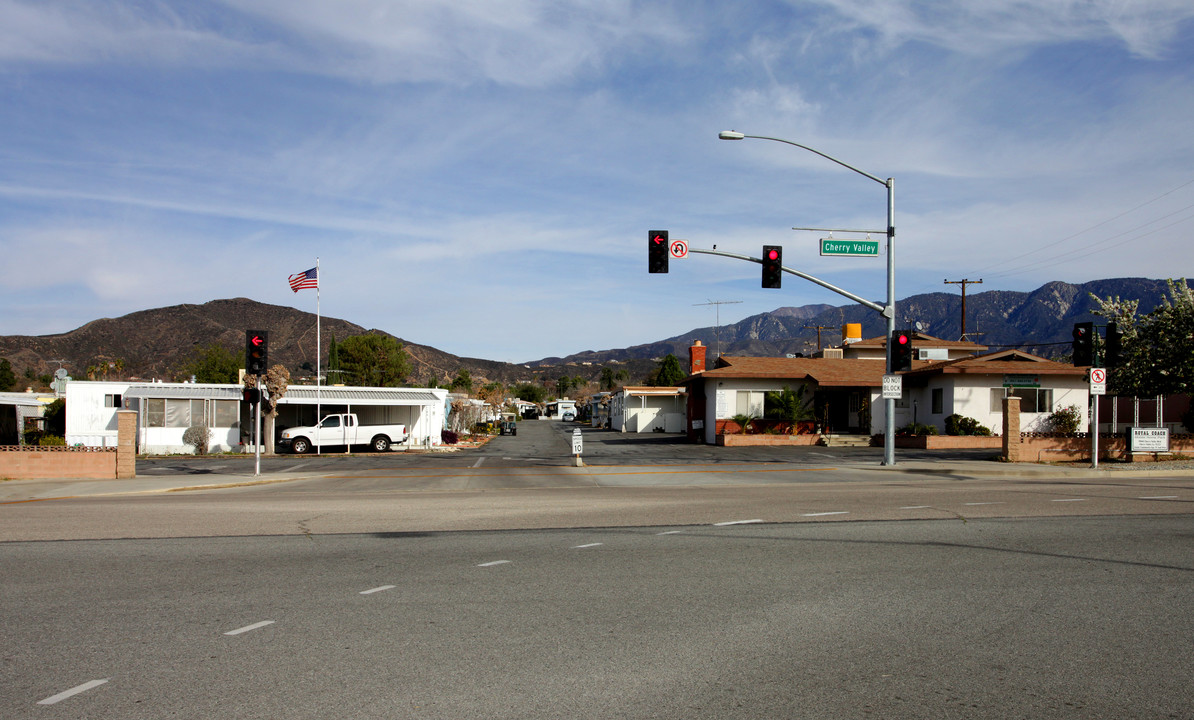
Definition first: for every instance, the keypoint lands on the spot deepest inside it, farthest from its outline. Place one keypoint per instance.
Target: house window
(938, 401)
(113, 401)
(1032, 400)
(155, 412)
(750, 402)
(227, 413)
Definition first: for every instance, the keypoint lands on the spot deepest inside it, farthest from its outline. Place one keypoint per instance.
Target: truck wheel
(300, 445)
(381, 443)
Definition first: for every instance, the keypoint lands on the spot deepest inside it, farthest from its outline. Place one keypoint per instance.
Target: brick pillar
(696, 358)
(126, 444)
(1011, 429)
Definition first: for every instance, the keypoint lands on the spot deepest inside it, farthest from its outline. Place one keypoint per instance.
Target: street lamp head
(730, 135)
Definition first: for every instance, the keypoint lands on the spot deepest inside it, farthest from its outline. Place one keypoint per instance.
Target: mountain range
(155, 344)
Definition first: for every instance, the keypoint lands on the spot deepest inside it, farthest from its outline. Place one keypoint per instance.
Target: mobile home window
(227, 413)
(155, 412)
(112, 401)
(938, 401)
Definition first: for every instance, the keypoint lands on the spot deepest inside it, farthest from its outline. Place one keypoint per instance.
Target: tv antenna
(717, 327)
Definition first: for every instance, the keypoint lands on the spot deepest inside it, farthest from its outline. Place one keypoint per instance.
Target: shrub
(448, 437)
(917, 429)
(961, 425)
(743, 421)
(199, 436)
(51, 440)
(1065, 420)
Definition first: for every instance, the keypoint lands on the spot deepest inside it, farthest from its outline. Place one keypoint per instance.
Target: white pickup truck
(342, 429)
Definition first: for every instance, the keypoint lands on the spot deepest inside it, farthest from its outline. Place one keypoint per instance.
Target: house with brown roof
(846, 391)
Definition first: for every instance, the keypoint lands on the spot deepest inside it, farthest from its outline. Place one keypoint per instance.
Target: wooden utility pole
(818, 328)
(964, 283)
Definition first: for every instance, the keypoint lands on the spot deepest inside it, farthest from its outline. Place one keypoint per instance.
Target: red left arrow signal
(256, 340)
(659, 239)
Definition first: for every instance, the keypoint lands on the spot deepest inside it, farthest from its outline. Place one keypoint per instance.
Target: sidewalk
(18, 491)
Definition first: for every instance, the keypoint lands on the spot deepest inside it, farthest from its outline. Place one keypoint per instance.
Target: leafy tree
(199, 436)
(334, 368)
(277, 381)
(1158, 348)
(373, 360)
(212, 364)
(7, 377)
(530, 392)
(669, 373)
(463, 382)
(610, 377)
(789, 406)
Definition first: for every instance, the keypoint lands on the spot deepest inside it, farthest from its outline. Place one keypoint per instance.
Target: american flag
(306, 279)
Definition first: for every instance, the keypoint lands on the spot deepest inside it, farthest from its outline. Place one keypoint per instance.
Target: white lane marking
(670, 532)
(72, 692)
(495, 562)
(581, 547)
(479, 461)
(1070, 500)
(988, 503)
(1158, 497)
(292, 468)
(248, 628)
(822, 514)
(378, 589)
(736, 522)
(915, 507)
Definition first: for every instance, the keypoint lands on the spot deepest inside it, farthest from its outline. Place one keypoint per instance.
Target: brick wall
(57, 462)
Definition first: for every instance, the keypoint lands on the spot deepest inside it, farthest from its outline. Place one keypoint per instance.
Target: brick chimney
(696, 358)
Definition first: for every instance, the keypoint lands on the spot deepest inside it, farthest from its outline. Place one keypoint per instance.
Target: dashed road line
(589, 545)
(383, 588)
(495, 562)
(249, 628)
(1069, 500)
(1159, 497)
(823, 514)
(987, 503)
(736, 522)
(72, 692)
(916, 507)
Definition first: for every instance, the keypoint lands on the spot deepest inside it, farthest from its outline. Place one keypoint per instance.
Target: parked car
(568, 416)
(509, 427)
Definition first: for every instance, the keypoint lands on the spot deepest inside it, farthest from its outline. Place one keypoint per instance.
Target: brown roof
(1006, 362)
(921, 338)
(827, 372)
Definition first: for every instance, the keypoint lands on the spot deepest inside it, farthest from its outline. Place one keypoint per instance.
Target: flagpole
(318, 362)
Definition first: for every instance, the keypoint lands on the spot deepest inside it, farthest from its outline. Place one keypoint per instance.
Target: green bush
(51, 440)
(1066, 421)
(917, 429)
(961, 425)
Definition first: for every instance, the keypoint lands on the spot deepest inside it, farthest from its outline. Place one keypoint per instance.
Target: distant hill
(1039, 322)
(154, 344)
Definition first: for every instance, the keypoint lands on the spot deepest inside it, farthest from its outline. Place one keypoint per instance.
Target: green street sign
(850, 248)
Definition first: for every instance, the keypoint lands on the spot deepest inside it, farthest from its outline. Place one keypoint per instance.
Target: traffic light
(657, 251)
(252, 395)
(1114, 349)
(256, 351)
(901, 350)
(1083, 344)
(773, 262)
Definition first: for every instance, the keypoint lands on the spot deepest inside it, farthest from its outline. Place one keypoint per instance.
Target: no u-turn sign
(678, 249)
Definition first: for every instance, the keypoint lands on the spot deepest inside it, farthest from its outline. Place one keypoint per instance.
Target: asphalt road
(1039, 618)
(660, 580)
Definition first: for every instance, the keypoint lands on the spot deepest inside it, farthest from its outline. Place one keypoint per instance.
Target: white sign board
(576, 442)
(1149, 439)
(723, 404)
(1098, 381)
(893, 387)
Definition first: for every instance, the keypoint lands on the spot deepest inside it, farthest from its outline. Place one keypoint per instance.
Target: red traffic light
(773, 254)
(902, 339)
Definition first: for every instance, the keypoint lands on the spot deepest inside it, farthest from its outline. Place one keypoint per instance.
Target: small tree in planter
(199, 436)
(961, 425)
(790, 407)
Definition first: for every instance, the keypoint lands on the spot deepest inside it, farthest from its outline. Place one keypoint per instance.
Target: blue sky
(480, 175)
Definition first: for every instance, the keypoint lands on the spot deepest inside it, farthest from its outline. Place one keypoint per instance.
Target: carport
(421, 410)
